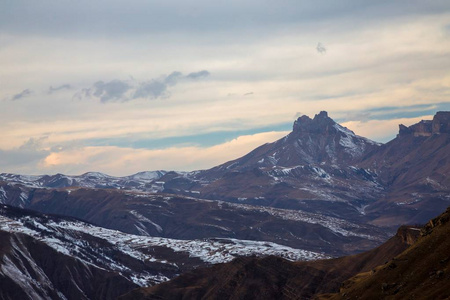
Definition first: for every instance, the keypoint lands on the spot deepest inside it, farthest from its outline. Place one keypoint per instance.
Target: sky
(126, 86)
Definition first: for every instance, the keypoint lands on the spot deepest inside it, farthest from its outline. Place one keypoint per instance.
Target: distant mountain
(414, 169)
(142, 181)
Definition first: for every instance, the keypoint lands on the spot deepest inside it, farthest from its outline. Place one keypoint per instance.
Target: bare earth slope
(420, 272)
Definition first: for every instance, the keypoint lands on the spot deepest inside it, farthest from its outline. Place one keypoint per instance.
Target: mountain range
(320, 167)
(321, 191)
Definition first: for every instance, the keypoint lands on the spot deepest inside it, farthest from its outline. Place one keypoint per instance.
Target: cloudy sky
(127, 86)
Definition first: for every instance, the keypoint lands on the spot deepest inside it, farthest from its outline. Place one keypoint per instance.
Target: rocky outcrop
(439, 124)
(423, 128)
(320, 124)
(408, 234)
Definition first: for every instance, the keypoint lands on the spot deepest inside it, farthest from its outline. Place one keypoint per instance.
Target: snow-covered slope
(141, 260)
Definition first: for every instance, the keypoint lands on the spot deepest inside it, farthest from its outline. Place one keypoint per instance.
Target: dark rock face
(321, 124)
(30, 269)
(441, 122)
(414, 168)
(423, 128)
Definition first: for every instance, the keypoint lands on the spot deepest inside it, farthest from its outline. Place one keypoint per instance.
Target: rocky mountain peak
(320, 124)
(322, 115)
(439, 124)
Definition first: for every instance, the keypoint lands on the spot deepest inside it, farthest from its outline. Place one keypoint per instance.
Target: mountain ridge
(320, 167)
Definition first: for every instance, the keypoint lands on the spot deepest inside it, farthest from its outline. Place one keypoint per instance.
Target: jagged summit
(439, 124)
(312, 142)
(308, 163)
(321, 122)
(322, 139)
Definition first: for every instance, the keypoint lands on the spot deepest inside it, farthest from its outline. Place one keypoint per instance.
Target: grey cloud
(447, 30)
(200, 74)
(30, 152)
(173, 78)
(248, 94)
(52, 89)
(33, 144)
(118, 90)
(109, 91)
(21, 95)
(321, 48)
(151, 89)
(156, 88)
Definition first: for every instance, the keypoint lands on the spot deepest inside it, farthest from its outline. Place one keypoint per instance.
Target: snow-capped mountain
(323, 167)
(142, 181)
(314, 168)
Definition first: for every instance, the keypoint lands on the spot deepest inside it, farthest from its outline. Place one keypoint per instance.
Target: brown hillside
(421, 272)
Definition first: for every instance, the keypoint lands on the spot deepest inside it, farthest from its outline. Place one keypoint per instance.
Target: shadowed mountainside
(30, 269)
(420, 272)
(273, 277)
(180, 217)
